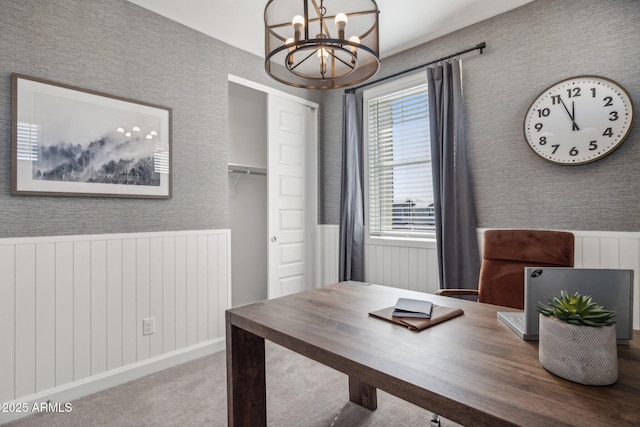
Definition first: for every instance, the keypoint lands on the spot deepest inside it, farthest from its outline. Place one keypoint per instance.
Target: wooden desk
(471, 369)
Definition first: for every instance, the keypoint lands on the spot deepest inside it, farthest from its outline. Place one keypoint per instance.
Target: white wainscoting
(411, 266)
(406, 265)
(611, 250)
(71, 307)
(415, 266)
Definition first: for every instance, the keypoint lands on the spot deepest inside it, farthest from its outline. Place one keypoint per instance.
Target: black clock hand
(573, 123)
(573, 116)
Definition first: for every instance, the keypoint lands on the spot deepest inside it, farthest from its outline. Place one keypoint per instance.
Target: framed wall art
(69, 141)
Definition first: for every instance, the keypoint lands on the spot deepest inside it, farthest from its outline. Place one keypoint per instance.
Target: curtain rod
(479, 46)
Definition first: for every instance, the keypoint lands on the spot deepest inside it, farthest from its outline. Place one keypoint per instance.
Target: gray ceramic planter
(582, 354)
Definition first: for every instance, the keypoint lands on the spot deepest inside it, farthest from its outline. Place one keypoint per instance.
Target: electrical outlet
(148, 326)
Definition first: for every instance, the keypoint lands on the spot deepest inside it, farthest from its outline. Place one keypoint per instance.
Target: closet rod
(246, 171)
(479, 46)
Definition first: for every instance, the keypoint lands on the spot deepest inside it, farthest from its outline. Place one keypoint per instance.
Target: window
(398, 155)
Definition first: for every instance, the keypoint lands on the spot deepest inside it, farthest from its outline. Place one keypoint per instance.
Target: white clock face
(579, 120)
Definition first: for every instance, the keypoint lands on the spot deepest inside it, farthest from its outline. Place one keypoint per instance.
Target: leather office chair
(506, 253)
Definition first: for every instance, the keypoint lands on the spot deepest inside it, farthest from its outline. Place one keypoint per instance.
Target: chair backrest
(507, 252)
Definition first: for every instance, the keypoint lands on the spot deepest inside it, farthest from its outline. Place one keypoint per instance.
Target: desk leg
(246, 385)
(363, 394)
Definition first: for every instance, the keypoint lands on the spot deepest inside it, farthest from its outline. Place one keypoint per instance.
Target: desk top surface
(471, 369)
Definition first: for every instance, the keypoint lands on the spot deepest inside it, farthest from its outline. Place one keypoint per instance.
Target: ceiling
(403, 23)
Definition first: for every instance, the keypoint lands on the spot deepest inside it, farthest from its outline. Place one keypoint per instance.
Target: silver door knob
(273, 239)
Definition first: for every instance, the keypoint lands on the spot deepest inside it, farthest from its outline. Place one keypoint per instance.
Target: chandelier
(319, 44)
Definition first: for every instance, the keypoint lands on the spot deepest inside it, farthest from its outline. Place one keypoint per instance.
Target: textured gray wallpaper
(116, 47)
(530, 48)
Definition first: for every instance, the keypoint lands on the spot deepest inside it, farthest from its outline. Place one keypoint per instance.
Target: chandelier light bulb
(323, 55)
(298, 20)
(120, 130)
(354, 50)
(298, 24)
(341, 23)
(290, 43)
(354, 39)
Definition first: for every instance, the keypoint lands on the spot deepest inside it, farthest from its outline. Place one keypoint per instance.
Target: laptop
(610, 288)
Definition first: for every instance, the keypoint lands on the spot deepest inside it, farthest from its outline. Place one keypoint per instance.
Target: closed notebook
(406, 307)
(439, 314)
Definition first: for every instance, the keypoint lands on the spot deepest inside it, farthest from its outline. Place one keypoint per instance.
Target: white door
(290, 130)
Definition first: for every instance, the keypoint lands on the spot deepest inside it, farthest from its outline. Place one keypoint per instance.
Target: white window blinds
(400, 191)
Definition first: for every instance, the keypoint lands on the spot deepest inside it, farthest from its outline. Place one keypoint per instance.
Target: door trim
(263, 88)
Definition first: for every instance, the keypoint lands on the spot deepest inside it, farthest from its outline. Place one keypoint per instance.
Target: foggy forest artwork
(70, 141)
(111, 159)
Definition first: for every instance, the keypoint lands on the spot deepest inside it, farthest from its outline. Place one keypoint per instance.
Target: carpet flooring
(300, 392)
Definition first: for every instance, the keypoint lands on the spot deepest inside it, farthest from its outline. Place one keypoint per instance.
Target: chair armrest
(456, 292)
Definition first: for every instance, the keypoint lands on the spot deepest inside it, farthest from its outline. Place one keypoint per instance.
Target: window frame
(401, 238)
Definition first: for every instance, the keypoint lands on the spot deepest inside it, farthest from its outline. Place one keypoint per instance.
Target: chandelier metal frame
(291, 51)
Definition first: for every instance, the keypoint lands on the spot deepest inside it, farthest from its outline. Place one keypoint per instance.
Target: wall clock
(579, 120)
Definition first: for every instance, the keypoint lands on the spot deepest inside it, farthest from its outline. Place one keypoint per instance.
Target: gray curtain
(351, 198)
(457, 241)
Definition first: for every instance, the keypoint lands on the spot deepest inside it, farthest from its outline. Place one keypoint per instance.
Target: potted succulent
(578, 340)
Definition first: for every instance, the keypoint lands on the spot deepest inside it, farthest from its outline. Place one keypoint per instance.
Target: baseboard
(96, 383)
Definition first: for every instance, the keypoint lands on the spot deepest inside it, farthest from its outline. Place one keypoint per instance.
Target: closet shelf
(245, 169)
